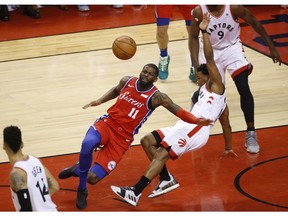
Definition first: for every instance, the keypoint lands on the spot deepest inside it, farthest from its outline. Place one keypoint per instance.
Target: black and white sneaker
(127, 193)
(165, 187)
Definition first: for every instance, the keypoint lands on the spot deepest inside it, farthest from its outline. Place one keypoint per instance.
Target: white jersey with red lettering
(184, 137)
(37, 186)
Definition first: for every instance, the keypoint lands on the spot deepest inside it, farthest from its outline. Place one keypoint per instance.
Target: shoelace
(250, 140)
(163, 64)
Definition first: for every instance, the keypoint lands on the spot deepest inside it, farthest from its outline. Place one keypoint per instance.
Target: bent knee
(92, 179)
(144, 141)
(161, 154)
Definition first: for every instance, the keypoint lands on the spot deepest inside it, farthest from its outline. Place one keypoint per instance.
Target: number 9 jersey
(223, 30)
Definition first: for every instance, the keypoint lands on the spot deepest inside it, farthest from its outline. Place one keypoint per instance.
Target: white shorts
(183, 137)
(231, 58)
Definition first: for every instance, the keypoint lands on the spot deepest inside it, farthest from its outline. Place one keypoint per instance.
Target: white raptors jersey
(37, 186)
(184, 137)
(223, 30)
(209, 105)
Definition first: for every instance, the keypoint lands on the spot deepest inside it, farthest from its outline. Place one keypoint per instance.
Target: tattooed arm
(162, 99)
(18, 183)
(18, 179)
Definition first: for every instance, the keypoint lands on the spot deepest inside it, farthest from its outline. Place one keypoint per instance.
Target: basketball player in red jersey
(183, 137)
(224, 33)
(114, 132)
(163, 14)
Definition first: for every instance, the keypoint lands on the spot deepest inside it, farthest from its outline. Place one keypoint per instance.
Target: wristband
(203, 31)
(187, 116)
(24, 200)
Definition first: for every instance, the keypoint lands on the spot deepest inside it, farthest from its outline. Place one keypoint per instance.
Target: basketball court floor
(51, 67)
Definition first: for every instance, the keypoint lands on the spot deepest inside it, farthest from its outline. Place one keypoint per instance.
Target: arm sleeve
(187, 116)
(24, 200)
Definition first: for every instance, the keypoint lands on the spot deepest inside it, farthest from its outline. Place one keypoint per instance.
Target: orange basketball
(124, 47)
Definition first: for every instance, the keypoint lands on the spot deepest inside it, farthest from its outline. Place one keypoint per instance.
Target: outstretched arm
(194, 36)
(111, 94)
(214, 75)
(227, 133)
(162, 99)
(248, 17)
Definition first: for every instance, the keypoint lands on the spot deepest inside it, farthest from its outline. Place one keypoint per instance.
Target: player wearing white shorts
(224, 33)
(182, 138)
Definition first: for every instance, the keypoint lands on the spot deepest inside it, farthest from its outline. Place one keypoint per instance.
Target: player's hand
(204, 122)
(93, 103)
(275, 56)
(205, 21)
(229, 154)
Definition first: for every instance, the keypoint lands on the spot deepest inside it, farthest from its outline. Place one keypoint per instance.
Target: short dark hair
(12, 137)
(154, 67)
(203, 69)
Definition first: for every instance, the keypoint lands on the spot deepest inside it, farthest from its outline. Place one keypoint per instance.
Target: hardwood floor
(45, 81)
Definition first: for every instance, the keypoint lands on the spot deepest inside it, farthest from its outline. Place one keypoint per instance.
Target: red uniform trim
(170, 152)
(242, 69)
(194, 131)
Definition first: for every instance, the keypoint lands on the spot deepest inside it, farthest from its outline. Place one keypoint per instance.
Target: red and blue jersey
(131, 109)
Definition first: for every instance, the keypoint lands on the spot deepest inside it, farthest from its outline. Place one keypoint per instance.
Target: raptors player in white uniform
(182, 138)
(224, 33)
(31, 183)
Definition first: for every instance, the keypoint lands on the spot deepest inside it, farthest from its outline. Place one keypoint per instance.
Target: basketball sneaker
(192, 75)
(163, 67)
(165, 187)
(81, 201)
(68, 172)
(251, 143)
(127, 193)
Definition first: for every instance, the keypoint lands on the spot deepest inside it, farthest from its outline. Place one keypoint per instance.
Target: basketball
(124, 47)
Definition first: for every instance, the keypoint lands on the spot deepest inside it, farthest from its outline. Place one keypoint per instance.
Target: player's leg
(239, 68)
(150, 144)
(163, 14)
(96, 173)
(74, 170)
(186, 11)
(91, 140)
(247, 106)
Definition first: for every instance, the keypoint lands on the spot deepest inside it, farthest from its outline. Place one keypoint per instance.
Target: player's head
(12, 138)
(202, 74)
(148, 75)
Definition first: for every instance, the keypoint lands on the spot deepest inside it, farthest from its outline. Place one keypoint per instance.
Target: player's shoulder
(126, 78)
(17, 173)
(159, 97)
(236, 9)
